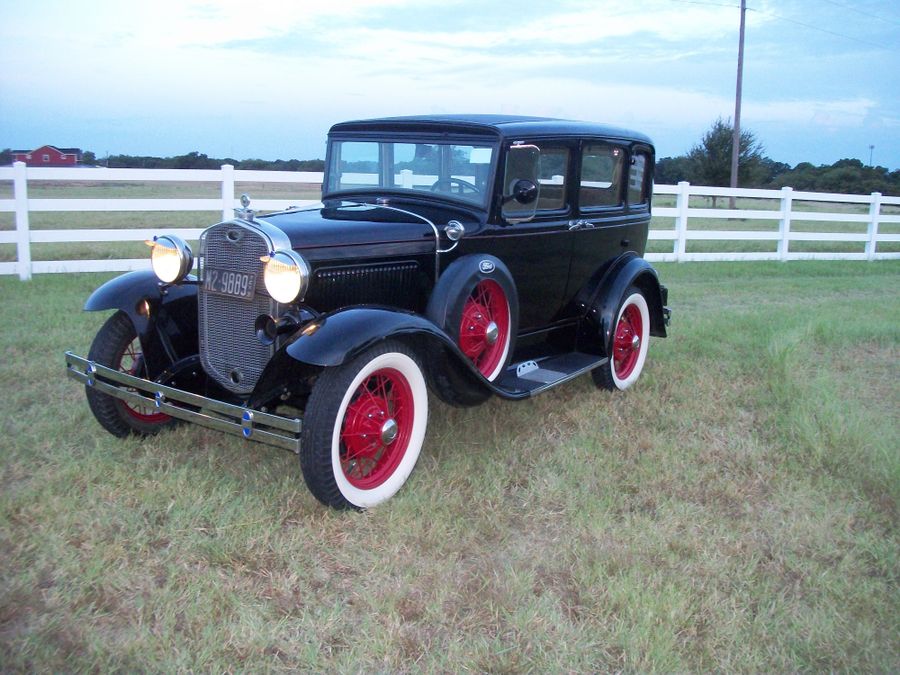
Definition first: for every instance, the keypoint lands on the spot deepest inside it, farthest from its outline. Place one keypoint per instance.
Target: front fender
(334, 339)
(166, 324)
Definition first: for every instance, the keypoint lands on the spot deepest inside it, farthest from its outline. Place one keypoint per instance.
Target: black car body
(482, 255)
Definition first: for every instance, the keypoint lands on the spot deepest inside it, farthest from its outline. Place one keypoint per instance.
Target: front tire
(630, 342)
(117, 346)
(364, 427)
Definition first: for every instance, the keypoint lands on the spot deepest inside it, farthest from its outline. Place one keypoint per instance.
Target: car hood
(352, 224)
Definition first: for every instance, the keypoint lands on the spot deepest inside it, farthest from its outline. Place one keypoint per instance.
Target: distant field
(163, 221)
(125, 219)
(737, 511)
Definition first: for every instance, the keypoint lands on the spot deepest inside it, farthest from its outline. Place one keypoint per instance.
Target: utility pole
(871, 150)
(736, 137)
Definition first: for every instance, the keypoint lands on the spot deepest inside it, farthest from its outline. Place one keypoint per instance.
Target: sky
(266, 79)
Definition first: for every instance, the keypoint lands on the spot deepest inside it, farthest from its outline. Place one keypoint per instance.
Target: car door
(537, 251)
(605, 224)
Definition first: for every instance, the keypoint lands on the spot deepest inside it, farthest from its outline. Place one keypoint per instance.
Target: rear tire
(117, 346)
(630, 341)
(364, 427)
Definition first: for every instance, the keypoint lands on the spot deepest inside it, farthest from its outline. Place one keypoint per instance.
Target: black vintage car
(476, 255)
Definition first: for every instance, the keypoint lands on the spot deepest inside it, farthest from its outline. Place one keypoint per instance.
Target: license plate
(225, 282)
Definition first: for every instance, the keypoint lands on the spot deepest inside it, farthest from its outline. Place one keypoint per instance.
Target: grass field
(737, 510)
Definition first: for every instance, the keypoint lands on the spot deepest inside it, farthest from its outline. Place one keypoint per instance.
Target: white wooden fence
(871, 215)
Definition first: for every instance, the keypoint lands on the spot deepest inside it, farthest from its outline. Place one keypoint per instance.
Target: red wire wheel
(131, 361)
(364, 426)
(627, 341)
(116, 346)
(484, 329)
(630, 341)
(377, 428)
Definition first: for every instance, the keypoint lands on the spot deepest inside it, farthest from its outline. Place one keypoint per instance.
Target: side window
(601, 175)
(355, 165)
(637, 188)
(553, 177)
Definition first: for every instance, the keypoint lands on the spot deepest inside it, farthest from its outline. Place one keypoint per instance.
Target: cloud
(663, 66)
(828, 114)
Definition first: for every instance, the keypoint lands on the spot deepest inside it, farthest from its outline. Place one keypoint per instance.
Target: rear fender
(600, 317)
(164, 317)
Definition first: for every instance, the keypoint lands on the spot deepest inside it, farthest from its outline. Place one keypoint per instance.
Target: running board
(525, 379)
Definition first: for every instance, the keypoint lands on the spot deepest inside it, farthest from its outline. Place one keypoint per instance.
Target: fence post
(23, 236)
(784, 225)
(406, 178)
(682, 200)
(872, 234)
(227, 191)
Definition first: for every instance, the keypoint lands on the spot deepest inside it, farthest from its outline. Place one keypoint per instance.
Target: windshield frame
(479, 141)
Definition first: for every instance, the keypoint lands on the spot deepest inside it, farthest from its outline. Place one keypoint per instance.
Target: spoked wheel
(484, 329)
(630, 341)
(364, 427)
(117, 346)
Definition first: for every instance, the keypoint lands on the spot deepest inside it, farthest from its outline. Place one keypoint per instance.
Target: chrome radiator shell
(229, 349)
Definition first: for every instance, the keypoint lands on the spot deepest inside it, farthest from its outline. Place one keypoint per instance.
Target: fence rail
(682, 213)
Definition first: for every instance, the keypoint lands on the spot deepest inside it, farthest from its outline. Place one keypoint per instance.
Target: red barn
(48, 155)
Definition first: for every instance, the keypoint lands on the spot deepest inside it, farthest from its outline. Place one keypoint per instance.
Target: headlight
(286, 276)
(171, 258)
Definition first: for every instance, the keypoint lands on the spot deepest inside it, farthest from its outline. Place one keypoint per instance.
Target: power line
(869, 43)
(861, 11)
(708, 4)
(821, 30)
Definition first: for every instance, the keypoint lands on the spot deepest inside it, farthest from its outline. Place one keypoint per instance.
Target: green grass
(737, 510)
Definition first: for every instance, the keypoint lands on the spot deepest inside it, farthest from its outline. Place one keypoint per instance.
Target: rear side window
(637, 184)
(601, 175)
(553, 177)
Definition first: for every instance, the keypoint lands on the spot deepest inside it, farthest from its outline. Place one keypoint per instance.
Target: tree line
(198, 160)
(192, 160)
(709, 163)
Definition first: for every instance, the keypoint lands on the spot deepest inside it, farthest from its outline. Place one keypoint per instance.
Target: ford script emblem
(486, 266)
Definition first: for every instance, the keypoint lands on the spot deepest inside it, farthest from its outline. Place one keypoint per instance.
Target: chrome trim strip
(253, 425)
(437, 234)
(277, 238)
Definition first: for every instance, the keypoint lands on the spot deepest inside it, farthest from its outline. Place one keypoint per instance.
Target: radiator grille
(230, 352)
(395, 284)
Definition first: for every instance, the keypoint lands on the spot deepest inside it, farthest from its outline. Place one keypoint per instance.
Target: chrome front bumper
(253, 425)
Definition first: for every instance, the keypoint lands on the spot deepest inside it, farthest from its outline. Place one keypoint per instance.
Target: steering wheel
(446, 185)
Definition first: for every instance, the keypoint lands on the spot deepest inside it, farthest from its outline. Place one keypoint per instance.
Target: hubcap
(491, 333)
(389, 431)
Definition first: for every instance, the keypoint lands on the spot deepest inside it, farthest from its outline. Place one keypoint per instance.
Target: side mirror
(520, 196)
(525, 191)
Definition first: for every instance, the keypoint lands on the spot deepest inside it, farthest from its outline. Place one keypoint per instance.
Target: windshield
(459, 171)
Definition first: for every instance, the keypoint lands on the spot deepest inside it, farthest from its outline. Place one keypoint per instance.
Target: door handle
(580, 225)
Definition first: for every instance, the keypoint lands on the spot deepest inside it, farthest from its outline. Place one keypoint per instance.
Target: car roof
(504, 126)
